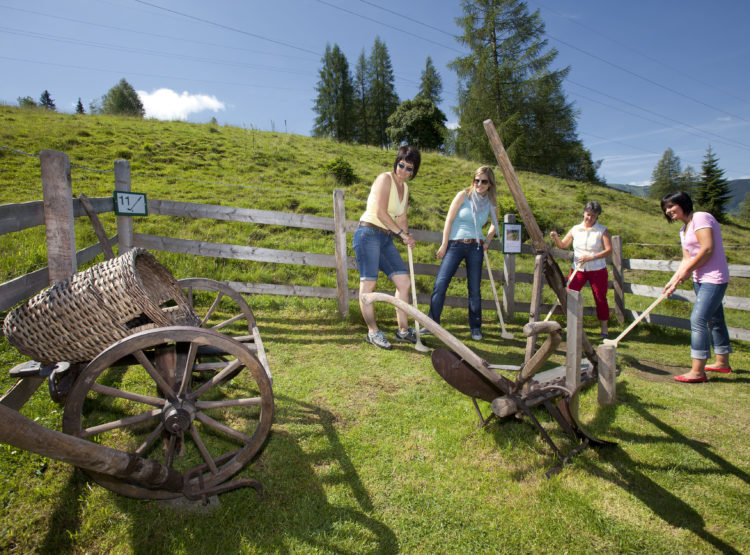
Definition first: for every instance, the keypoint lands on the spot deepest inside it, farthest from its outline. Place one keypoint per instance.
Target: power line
(666, 88)
(228, 28)
(736, 144)
(160, 76)
(32, 34)
(157, 35)
(643, 54)
(389, 25)
(411, 20)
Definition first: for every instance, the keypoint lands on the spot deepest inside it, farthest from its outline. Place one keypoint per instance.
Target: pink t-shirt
(715, 269)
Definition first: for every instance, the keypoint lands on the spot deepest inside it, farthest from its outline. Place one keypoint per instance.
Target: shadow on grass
(66, 517)
(295, 512)
(667, 506)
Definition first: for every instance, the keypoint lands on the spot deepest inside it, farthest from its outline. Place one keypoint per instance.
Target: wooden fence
(59, 208)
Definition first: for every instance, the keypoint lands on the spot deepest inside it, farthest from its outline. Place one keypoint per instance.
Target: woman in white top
(591, 246)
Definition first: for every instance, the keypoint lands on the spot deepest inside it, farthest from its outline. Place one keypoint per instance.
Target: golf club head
(421, 347)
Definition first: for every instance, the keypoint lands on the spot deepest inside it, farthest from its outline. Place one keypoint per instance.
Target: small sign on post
(130, 204)
(511, 238)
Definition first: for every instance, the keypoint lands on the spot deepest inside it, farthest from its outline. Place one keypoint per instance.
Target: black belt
(380, 229)
(467, 241)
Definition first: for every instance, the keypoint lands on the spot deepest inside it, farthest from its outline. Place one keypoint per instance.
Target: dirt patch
(652, 371)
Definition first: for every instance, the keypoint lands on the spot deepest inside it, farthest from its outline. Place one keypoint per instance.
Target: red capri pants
(598, 281)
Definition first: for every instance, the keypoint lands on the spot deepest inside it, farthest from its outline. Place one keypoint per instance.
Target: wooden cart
(165, 384)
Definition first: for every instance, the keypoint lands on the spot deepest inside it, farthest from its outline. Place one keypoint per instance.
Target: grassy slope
(372, 451)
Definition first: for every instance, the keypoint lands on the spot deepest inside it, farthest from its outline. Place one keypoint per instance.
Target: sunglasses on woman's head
(403, 166)
(482, 181)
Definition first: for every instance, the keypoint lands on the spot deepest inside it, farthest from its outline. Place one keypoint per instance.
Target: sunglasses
(482, 181)
(403, 166)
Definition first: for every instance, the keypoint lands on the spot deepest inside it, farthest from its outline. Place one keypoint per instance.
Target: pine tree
(430, 85)
(507, 78)
(362, 128)
(122, 100)
(666, 175)
(79, 107)
(688, 181)
(334, 104)
(713, 190)
(383, 97)
(45, 101)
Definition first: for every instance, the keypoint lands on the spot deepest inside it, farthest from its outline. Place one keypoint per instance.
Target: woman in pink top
(703, 258)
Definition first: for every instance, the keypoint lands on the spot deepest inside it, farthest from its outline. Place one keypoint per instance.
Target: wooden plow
(473, 376)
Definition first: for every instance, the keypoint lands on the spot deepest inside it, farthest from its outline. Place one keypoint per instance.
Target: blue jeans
(457, 251)
(375, 251)
(707, 325)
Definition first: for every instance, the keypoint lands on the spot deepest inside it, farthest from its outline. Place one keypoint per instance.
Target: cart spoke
(155, 375)
(231, 432)
(228, 321)
(206, 405)
(187, 372)
(169, 456)
(129, 395)
(121, 423)
(211, 310)
(203, 450)
(217, 379)
(149, 441)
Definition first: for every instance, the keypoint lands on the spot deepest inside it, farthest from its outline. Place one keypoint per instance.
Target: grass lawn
(370, 450)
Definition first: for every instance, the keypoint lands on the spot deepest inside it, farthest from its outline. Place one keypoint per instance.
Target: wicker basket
(76, 319)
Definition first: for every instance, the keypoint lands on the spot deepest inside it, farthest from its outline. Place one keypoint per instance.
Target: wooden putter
(635, 322)
(505, 334)
(419, 346)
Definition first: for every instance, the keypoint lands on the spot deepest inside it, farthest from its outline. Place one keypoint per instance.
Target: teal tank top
(463, 224)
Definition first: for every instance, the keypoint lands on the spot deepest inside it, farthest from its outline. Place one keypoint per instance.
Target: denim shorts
(375, 251)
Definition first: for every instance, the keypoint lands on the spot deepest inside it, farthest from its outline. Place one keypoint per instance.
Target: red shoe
(684, 379)
(726, 370)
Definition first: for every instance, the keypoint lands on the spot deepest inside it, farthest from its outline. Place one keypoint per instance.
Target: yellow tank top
(396, 207)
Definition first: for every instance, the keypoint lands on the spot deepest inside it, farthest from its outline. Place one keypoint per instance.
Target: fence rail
(57, 193)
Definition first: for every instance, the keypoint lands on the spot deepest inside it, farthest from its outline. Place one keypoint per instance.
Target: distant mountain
(637, 190)
(738, 187)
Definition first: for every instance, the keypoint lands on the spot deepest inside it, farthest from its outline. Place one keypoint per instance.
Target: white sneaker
(378, 339)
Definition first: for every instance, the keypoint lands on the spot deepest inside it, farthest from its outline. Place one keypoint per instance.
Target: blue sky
(645, 76)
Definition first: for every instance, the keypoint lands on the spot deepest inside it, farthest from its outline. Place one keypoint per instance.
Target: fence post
(607, 374)
(57, 191)
(509, 274)
(124, 223)
(573, 345)
(535, 304)
(618, 279)
(339, 239)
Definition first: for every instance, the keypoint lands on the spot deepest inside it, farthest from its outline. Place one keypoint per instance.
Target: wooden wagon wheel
(223, 309)
(160, 409)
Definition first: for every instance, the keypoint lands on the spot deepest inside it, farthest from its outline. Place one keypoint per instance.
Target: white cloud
(452, 125)
(169, 105)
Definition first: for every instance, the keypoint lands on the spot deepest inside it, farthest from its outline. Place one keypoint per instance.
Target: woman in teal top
(463, 240)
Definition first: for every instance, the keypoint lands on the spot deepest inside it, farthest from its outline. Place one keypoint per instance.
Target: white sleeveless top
(589, 241)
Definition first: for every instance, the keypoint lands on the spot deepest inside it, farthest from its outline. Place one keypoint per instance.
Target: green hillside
(250, 168)
(371, 451)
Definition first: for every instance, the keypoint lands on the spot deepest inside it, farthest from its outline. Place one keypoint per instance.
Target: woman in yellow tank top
(383, 219)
